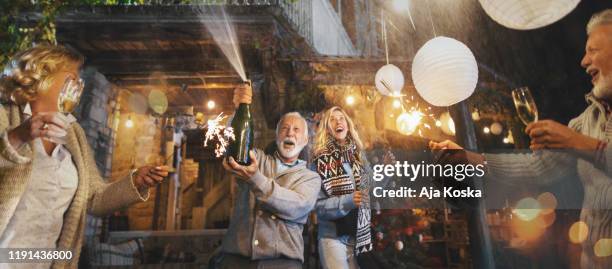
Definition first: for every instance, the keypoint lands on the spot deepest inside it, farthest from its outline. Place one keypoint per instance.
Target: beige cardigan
(92, 196)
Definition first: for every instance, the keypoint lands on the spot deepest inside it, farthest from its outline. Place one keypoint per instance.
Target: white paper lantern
(444, 71)
(496, 128)
(399, 245)
(527, 14)
(389, 80)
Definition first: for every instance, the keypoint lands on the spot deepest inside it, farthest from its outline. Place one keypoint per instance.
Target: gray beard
(289, 154)
(603, 90)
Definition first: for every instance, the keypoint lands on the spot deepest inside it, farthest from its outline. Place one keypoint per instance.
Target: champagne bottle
(242, 123)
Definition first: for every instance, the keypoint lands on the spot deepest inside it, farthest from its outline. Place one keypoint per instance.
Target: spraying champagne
(242, 123)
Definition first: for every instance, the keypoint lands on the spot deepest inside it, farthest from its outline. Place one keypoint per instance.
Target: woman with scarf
(343, 209)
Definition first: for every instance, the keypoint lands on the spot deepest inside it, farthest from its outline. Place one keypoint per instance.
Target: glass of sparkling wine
(525, 105)
(68, 99)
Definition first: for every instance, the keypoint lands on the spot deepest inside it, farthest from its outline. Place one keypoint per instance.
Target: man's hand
(548, 134)
(149, 176)
(243, 95)
(450, 152)
(241, 171)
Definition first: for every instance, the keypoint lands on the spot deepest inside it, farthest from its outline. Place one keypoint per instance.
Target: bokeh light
(603, 247)
(527, 209)
(578, 232)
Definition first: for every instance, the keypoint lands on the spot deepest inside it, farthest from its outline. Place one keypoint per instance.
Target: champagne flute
(525, 105)
(70, 95)
(67, 100)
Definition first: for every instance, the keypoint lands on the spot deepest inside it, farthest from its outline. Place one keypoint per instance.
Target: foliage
(17, 35)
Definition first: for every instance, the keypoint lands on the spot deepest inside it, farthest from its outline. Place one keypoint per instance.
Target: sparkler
(411, 120)
(216, 131)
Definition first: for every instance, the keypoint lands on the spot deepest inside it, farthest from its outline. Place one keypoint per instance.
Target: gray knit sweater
(549, 167)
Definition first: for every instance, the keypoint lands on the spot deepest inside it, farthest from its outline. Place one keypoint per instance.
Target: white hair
(600, 18)
(292, 114)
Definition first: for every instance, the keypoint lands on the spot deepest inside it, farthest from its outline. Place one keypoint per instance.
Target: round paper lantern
(444, 71)
(496, 128)
(527, 15)
(399, 245)
(158, 101)
(389, 80)
(448, 125)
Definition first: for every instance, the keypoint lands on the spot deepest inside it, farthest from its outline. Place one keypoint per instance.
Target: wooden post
(480, 237)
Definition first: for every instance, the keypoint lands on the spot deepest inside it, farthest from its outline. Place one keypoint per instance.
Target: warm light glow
(548, 202)
(506, 140)
(407, 123)
(578, 232)
(401, 5)
(475, 115)
(211, 104)
(438, 123)
(603, 247)
(486, 130)
(350, 100)
(447, 124)
(397, 103)
(527, 209)
(528, 230)
(129, 123)
(547, 220)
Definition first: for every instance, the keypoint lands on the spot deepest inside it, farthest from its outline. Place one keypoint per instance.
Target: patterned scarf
(337, 181)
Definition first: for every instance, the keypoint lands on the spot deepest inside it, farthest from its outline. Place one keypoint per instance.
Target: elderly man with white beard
(585, 143)
(274, 197)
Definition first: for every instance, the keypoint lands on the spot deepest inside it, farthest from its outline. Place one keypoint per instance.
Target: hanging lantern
(448, 125)
(527, 15)
(389, 80)
(158, 101)
(444, 71)
(399, 245)
(496, 128)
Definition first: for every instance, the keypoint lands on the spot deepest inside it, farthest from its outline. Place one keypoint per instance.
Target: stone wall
(92, 114)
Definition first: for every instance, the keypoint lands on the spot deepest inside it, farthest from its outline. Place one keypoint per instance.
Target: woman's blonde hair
(29, 72)
(322, 136)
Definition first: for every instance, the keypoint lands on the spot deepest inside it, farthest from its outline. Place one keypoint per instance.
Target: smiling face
(291, 138)
(337, 126)
(597, 61)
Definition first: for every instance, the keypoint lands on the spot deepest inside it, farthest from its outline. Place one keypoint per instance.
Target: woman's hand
(357, 198)
(149, 176)
(43, 125)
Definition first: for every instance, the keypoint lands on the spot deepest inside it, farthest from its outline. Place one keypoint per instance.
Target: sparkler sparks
(221, 133)
(411, 120)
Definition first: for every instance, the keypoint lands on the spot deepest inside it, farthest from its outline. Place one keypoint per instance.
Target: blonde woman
(343, 209)
(47, 188)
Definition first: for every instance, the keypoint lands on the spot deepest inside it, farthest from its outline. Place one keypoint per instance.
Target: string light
(506, 140)
(211, 104)
(129, 123)
(397, 103)
(438, 123)
(486, 130)
(350, 100)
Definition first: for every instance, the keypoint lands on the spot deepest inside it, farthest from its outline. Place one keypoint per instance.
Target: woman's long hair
(323, 136)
